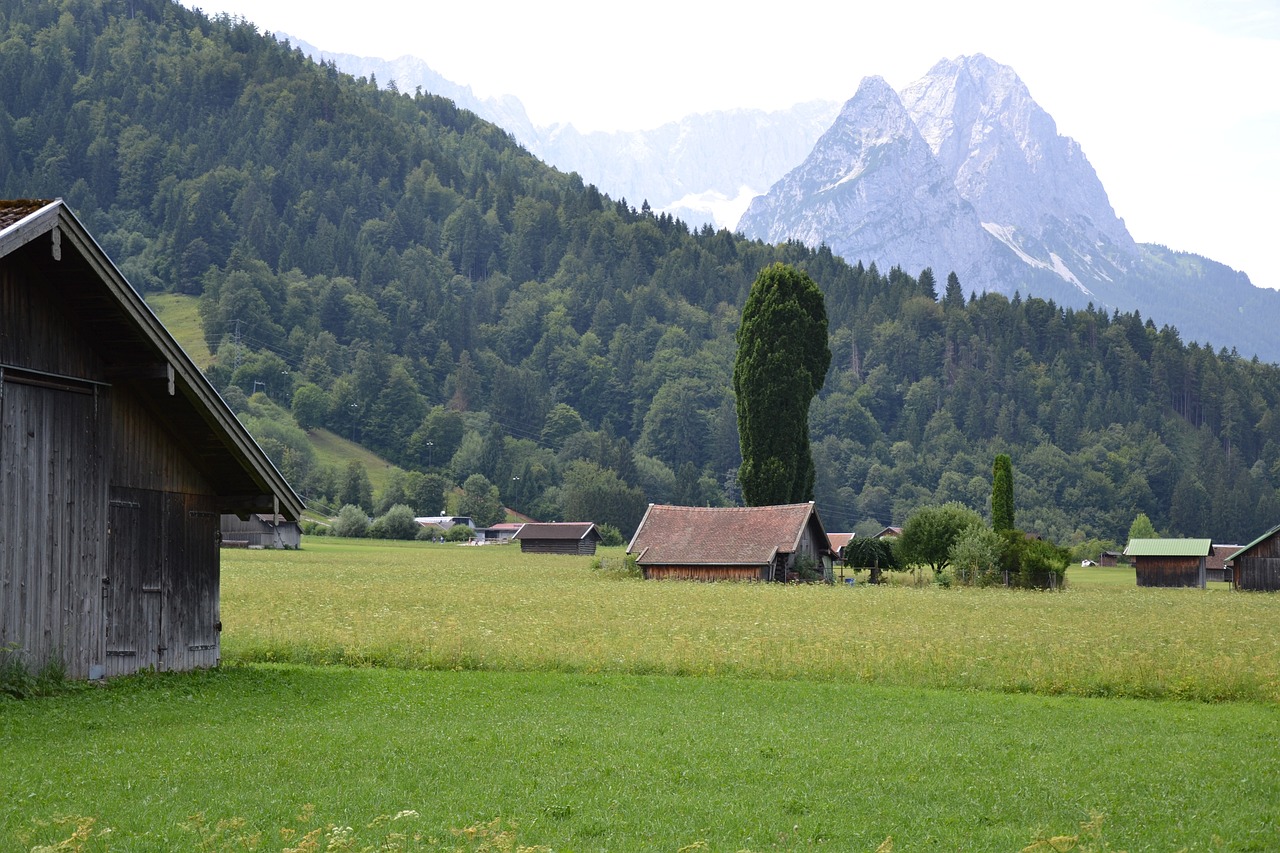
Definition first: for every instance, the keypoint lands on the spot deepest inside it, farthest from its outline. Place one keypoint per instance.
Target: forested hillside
(401, 272)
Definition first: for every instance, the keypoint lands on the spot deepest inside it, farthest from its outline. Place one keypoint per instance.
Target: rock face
(961, 172)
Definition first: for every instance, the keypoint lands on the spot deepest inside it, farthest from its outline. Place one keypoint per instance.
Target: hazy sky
(1176, 103)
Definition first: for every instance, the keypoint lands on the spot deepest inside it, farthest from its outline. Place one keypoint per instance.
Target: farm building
(564, 537)
(260, 530)
(1169, 562)
(1257, 565)
(763, 543)
(1218, 566)
(117, 458)
(500, 533)
(838, 541)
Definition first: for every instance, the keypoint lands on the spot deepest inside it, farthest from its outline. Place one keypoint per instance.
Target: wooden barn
(762, 543)
(1169, 562)
(117, 459)
(564, 537)
(1256, 566)
(260, 530)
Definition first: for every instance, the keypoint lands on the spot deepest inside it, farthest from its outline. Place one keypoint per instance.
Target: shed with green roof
(1169, 562)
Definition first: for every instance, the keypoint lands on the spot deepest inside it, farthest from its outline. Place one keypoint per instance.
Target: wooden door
(134, 586)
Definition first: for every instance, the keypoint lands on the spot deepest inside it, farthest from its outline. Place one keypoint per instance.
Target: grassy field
(260, 757)
(448, 607)
(181, 317)
(475, 698)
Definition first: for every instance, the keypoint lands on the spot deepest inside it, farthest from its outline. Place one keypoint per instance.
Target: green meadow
(379, 696)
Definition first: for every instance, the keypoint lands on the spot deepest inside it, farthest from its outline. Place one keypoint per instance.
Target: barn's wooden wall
(585, 546)
(705, 573)
(108, 532)
(52, 499)
(1259, 567)
(1169, 571)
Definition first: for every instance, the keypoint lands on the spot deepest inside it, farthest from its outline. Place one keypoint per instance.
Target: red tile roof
(839, 540)
(691, 535)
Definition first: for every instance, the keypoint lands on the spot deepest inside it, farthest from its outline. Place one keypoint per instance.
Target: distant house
(889, 532)
(1256, 566)
(1169, 562)
(838, 541)
(444, 522)
(117, 460)
(260, 530)
(764, 543)
(499, 533)
(1217, 566)
(564, 537)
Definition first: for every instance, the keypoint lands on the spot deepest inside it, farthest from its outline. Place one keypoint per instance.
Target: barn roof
(1169, 547)
(135, 348)
(567, 530)
(1255, 542)
(692, 535)
(839, 540)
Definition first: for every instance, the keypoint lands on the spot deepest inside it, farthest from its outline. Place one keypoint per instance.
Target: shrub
(351, 522)
(617, 567)
(610, 535)
(397, 523)
(459, 533)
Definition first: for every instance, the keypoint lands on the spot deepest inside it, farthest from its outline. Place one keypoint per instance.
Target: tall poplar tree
(1002, 494)
(781, 364)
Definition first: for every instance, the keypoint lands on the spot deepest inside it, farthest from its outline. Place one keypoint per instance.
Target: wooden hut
(1257, 565)
(260, 530)
(762, 543)
(564, 537)
(1169, 562)
(117, 458)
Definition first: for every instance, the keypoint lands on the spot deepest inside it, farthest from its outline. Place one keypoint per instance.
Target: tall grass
(493, 608)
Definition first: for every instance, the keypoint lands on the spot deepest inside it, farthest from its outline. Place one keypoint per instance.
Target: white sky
(1176, 103)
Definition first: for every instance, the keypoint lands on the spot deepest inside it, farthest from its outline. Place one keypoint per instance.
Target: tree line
(399, 272)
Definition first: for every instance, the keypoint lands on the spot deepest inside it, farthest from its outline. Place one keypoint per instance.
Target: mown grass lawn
(257, 757)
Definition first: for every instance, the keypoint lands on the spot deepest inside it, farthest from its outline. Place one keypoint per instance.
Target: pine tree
(781, 364)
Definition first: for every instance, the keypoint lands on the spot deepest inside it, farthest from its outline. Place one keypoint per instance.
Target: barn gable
(116, 459)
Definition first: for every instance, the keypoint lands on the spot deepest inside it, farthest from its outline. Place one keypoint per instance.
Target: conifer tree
(781, 364)
(1002, 494)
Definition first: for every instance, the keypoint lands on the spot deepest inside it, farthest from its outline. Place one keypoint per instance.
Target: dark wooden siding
(162, 590)
(52, 494)
(582, 547)
(706, 573)
(1259, 567)
(1169, 571)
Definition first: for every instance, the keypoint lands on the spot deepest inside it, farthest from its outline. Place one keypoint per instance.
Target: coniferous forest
(384, 265)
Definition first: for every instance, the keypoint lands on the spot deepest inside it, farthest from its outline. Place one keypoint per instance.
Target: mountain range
(962, 171)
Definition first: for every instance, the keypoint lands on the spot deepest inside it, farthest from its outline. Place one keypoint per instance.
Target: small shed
(762, 543)
(563, 537)
(1109, 558)
(261, 530)
(1256, 566)
(1169, 562)
(117, 460)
